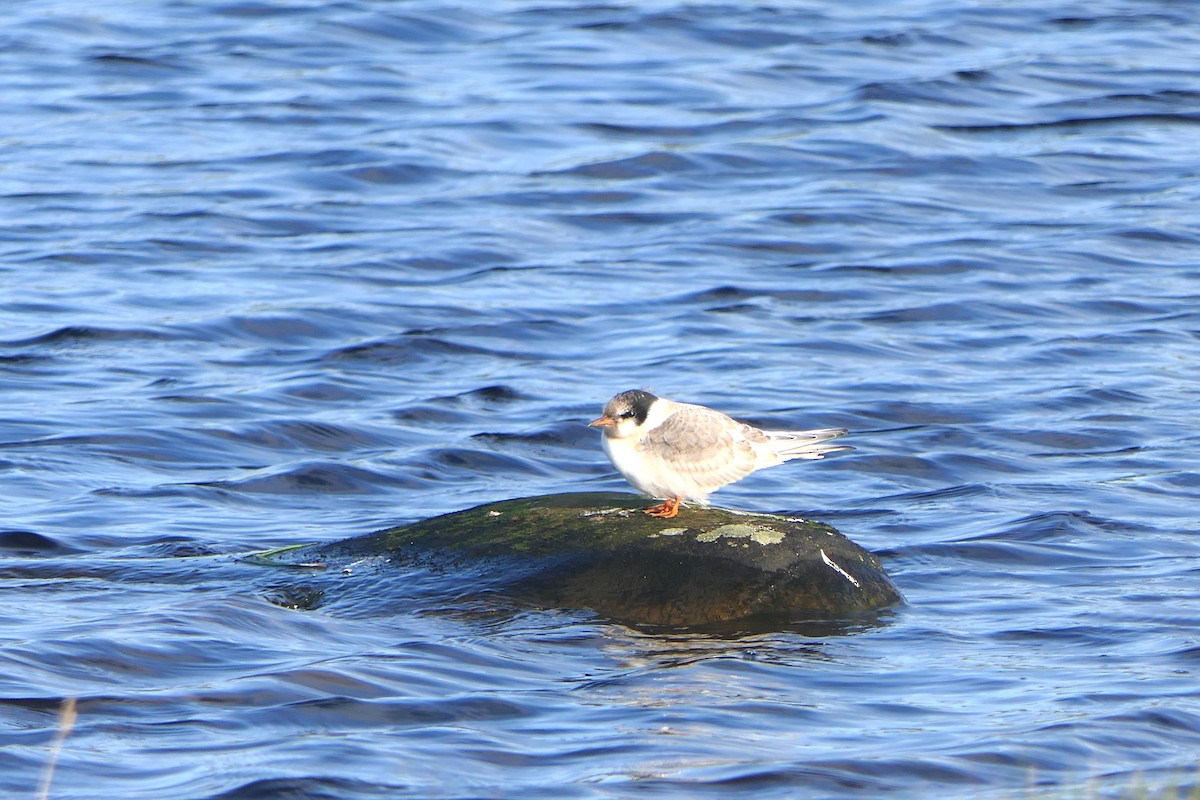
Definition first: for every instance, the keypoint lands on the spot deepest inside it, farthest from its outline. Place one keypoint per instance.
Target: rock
(598, 551)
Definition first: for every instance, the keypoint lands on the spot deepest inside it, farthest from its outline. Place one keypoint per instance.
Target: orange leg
(667, 510)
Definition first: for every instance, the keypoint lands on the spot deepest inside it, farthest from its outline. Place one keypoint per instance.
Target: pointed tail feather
(806, 444)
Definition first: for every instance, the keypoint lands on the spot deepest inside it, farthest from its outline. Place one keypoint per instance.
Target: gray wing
(705, 445)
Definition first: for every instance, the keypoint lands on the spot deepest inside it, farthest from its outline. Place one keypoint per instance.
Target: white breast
(650, 475)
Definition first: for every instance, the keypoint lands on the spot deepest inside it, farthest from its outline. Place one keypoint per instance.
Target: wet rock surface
(598, 551)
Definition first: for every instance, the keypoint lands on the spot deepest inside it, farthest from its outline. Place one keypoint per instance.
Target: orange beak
(603, 422)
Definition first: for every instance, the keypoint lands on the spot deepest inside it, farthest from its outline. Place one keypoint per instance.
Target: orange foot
(667, 510)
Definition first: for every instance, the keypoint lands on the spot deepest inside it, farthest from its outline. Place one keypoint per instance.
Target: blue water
(288, 271)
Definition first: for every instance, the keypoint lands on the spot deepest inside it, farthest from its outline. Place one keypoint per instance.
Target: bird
(680, 452)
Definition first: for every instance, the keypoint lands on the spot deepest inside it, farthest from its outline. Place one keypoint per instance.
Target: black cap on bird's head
(631, 405)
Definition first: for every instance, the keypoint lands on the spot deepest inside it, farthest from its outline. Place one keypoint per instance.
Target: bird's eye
(626, 415)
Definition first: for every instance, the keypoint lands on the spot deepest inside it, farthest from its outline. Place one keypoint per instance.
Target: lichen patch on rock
(737, 531)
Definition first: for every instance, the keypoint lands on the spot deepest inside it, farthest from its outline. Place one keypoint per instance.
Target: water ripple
(278, 273)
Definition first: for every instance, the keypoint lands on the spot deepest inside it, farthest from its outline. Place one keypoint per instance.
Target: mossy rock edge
(598, 551)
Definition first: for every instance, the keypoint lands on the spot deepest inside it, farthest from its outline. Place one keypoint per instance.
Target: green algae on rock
(597, 551)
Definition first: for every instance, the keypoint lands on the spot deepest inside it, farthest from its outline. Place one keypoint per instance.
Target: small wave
(322, 478)
(31, 543)
(1186, 120)
(410, 349)
(87, 334)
